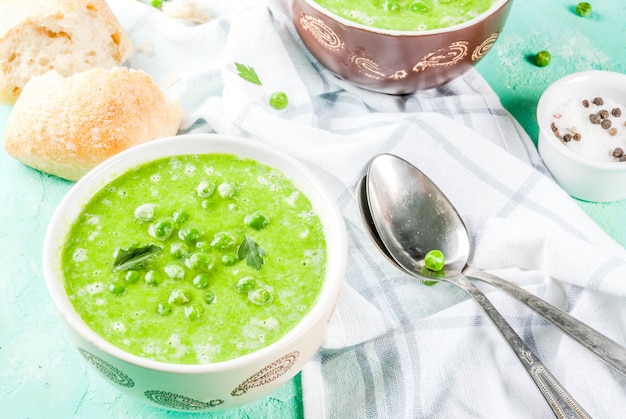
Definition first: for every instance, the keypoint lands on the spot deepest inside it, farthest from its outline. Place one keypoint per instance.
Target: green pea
(542, 58)
(179, 250)
(179, 216)
(257, 220)
(246, 284)
(175, 271)
(193, 311)
(201, 261)
(190, 234)
(223, 240)
(421, 6)
(226, 190)
(583, 9)
(210, 297)
(156, 3)
(161, 229)
(117, 287)
(202, 245)
(152, 278)
(132, 276)
(207, 204)
(434, 260)
(205, 189)
(230, 259)
(260, 296)
(144, 212)
(201, 281)
(434, 275)
(164, 309)
(179, 297)
(279, 100)
(391, 6)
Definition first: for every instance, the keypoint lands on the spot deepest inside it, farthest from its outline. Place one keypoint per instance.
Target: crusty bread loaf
(67, 125)
(68, 36)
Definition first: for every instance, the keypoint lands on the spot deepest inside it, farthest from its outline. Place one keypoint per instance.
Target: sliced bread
(67, 36)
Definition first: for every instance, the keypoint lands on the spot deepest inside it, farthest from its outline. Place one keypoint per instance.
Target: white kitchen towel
(395, 347)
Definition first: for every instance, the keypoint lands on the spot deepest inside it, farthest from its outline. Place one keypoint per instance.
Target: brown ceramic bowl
(396, 62)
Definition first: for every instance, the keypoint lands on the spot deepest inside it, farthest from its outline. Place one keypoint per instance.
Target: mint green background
(42, 376)
(596, 42)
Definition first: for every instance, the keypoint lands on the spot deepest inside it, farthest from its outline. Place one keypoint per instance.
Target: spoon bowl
(422, 218)
(412, 216)
(370, 227)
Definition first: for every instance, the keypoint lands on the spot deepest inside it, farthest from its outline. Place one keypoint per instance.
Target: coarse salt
(596, 143)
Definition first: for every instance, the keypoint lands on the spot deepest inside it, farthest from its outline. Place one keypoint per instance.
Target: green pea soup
(407, 15)
(195, 259)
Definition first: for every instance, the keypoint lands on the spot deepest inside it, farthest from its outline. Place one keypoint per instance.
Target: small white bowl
(199, 387)
(582, 178)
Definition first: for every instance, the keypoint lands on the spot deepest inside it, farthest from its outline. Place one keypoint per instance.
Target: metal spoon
(603, 347)
(412, 216)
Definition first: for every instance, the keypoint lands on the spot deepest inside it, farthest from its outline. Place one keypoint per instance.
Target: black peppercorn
(555, 130)
(595, 118)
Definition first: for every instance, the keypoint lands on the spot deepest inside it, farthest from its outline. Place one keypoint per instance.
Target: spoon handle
(606, 349)
(562, 403)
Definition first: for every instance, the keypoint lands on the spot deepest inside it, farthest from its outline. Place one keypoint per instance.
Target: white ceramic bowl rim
(543, 113)
(350, 23)
(336, 245)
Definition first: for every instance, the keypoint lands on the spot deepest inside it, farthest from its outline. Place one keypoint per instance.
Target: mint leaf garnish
(252, 252)
(134, 257)
(248, 74)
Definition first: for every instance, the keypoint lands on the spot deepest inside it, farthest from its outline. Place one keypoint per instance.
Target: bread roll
(67, 125)
(68, 36)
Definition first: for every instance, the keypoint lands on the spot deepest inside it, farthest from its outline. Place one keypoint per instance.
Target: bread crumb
(147, 48)
(194, 11)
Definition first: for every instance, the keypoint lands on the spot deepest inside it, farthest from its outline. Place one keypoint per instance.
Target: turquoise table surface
(595, 42)
(42, 376)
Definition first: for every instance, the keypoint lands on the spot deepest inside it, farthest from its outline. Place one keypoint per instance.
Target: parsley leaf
(252, 252)
(248, 74)
(157, 3)
(134, 257)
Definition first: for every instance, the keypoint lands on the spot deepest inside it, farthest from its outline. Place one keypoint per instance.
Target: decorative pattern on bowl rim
(441, 57)
(171, 400)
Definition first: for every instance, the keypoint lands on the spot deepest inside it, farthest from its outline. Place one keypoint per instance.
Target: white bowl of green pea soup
(198, 272)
